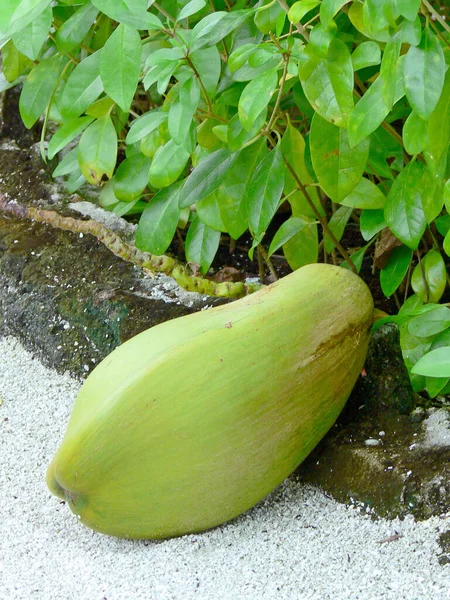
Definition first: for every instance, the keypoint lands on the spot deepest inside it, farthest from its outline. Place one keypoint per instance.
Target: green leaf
(337, 225)
(97, 150)
(120, 65)
(231, 193)
(255, 98)
(388, 70)
(439, 128)
(338, 167)
(395, 270)
(360, 22)
(15, 15)
(415, 134)
(214, 27)
(82, 88)
(65, 134)
(159, 220)
(266, 20)
(287, 231)
(365, 195)
(207, 176)
(303, 248)
(237, 136)
(408, 8)
(371, 222)
(411, 32)
(403, 209)
(446, 195)
(201, 244)
(208, 212)
(385, 155)
(29, 40)
(435, 385)
(366, 54)
(328, 82)
(293, 148)
(168, 164)
(328, 9)
(424, 74)
(239, 57)
(430, 323)
(357, 259)
(378, 15)
(131, 177)
(73, 31)
(435, 273)
(192, 7)
(69, 164)
(432, 196)
(264, 192)
(368, 114)
(208, 65)
(14, 64)
(182, 110)
(38, 89)
(145, 125)
(129, 12)
(299, 9)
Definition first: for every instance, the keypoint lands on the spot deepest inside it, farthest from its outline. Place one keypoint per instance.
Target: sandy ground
(297, 544)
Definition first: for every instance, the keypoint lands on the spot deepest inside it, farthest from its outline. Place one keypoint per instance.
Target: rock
(65, 295)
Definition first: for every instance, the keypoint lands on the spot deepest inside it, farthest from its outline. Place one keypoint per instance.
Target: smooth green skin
(192, 422)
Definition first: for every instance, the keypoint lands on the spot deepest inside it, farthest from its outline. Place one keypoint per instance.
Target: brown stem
(268, 262)
(199, 79)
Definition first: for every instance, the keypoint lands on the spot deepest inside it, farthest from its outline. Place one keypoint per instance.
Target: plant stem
(199, 79)
(129, 252)
(300, 28)
(268, 262)
(436, 15)
(273, 116)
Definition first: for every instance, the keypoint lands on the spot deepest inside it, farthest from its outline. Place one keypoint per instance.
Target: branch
(129, 252)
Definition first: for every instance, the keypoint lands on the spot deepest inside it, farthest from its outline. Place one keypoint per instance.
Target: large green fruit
(192, 422)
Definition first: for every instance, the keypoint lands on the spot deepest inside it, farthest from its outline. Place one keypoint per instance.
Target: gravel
(297, 544)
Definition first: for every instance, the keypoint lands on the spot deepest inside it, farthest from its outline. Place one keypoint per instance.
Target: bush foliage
(208, 116)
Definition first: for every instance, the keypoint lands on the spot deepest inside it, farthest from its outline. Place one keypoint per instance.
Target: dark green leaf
(366, 54)
(338, 167)
(120, 65)
(264, 192)
(388, 70)
(430, 323)
(97, 150)
(182, 110)
(287, 231)
(328, 82)
(131, 177)
(368, 114)
(167, 165)
(403, 210)
(158, 222)
(255, 98)
(14, 64)
(415, 134)
(395, 270)
(68, 164)
(337, 225)
(424, 74)
(73, 31)
(129, 12)
(328, 9)
(365, 195)
(303, 248)
(201, 245)
(38, 89)
(215, 27)
(208, 65)
(208, 211)
(68, 132)
(435, 273)
(371, 222)
(207, 176)
(29, 40)
(439, 128)
(82, 88)
(145, 125)
(192, 7)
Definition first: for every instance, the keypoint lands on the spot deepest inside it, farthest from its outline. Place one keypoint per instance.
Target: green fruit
(192, 422)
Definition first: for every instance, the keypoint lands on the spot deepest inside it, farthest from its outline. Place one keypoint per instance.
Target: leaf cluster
(214, 118)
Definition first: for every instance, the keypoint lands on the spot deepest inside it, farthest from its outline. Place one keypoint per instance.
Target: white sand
(297, 544)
